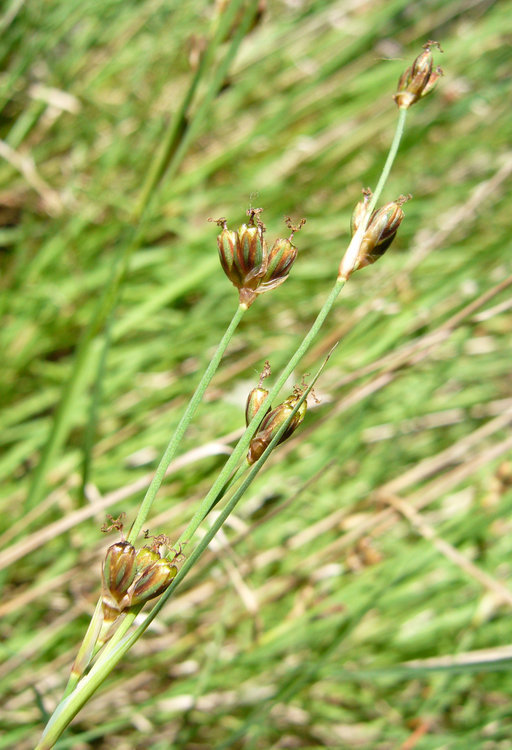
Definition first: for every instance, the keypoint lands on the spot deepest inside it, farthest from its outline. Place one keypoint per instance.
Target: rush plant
(135, 573)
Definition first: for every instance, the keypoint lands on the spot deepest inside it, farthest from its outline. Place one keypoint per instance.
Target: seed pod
(380, 232)
(251, 255)
(146, 556)
(254, 401)
(119, 569)
(227, 242)
(151, 581)
(418, 80)
(118, 573)
(280, 260)
(271, 424)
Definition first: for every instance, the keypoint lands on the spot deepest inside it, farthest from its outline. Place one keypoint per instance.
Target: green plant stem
(393, 150)
(70, 706)
(184, 422)
(86, 651)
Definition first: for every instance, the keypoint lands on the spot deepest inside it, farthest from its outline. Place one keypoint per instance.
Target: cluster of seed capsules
(132, 577)
(248, 263)
(418, 80)
(274, 418)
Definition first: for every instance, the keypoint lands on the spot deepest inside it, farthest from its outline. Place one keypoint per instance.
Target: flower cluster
(418, 80)
(132, 577)
(378, 235)
(248, 263)
(380, 231)
(273, 419)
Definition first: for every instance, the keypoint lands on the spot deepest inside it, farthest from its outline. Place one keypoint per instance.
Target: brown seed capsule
(280, 260)
(119, 570)
(254, 401)
(146, 556)
(418, 80)
(271, 424)
(227, 242)
(380, 232)
(150, 582)
(246, 260)
(251, 254)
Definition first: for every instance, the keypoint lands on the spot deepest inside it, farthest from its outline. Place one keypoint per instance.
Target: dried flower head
(132, 577)
(273, 421)
(246, 260)
(418, 80)
(378, 235)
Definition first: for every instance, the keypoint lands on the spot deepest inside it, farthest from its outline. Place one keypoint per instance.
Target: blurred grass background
(360, 597)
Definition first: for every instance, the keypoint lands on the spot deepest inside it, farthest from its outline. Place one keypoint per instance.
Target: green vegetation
(359, 594)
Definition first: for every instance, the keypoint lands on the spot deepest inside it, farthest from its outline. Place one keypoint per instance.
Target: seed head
(271, 424)
(246, 261)
(380, 232)
(418, 80)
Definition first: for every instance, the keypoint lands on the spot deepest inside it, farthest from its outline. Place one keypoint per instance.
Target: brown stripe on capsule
(280, 260)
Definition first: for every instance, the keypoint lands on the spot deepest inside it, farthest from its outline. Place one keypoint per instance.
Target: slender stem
(184, 422)
(399, 131)
(86, 649)
(243, 444)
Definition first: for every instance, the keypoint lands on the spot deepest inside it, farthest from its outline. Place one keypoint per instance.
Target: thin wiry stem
(177, 437)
